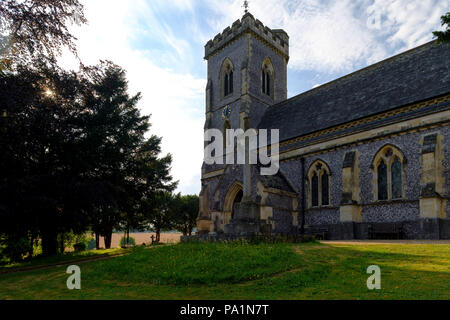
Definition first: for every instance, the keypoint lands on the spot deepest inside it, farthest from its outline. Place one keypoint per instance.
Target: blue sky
(161, 45)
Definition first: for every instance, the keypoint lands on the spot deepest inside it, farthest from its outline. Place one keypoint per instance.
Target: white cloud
(174, 99)
(409, 22)
(337, 35)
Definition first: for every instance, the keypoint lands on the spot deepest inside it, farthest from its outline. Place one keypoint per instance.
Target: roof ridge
(369, 67)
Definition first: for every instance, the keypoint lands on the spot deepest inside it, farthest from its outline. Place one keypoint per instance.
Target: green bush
(131, 242)
(92, 244)
(79, 247)
(70, 239)
(16, 248)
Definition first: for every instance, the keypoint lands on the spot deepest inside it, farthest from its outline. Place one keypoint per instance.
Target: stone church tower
(247, 73)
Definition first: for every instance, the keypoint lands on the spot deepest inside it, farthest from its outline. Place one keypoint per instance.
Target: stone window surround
(267, 68)
(227, 68)
(313, 169)
(384, 154)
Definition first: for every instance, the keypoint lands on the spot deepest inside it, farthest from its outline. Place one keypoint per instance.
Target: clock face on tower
(226, 112)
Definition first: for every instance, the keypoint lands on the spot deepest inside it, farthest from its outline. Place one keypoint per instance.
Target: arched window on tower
(227, 78)
(319, 184)
(388, 170)
(267, 78)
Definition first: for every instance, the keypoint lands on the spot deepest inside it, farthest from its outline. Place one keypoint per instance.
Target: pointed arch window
(388, 165)
(315, 190)
(227, 78)
(266, 82)
(382, 181)
(319, 184)
(267, 78)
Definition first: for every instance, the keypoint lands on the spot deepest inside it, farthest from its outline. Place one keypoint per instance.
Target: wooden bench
(385, 231)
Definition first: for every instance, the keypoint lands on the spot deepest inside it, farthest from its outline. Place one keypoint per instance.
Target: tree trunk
(97, 240)
(108, 237)
(49, 243)
(158, 234)
(61, 244)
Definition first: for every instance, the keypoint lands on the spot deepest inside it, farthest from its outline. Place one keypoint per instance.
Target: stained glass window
(382, 181)
(263, 81)
(231, 81)
(325, 182)
(396, 178)
(226, 85)
(266, 82)
(315, 190)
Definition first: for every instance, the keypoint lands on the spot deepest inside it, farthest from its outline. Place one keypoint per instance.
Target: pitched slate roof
(416, 75)
(277, 181)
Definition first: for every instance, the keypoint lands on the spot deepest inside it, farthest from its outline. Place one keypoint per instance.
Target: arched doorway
(233, 197)
(237, 200)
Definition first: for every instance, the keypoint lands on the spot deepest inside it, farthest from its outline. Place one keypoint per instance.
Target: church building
(364, 156)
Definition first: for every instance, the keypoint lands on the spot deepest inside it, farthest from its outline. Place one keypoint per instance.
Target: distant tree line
(75, 150)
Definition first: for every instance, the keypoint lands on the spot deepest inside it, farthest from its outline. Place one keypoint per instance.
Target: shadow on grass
(282, 271)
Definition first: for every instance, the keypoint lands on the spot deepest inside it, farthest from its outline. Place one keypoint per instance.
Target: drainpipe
(302, 210)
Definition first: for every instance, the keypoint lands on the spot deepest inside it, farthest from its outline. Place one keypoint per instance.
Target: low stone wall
(422, 229)
(273, 238)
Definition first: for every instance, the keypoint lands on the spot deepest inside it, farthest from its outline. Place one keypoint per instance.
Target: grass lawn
(6, 267)
(238, 271)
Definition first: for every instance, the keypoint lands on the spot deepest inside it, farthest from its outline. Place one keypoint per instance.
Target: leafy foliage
(184, 212)
(157, 212)
(444, 36)
(127, 242)
(37, 30)
(80, 247)
(16, 248)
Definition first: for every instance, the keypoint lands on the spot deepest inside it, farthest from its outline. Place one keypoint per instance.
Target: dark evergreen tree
(185, 212)
(39, 140)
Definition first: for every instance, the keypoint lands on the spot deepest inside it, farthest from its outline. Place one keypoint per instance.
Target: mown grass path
(62, 260)
(239, 271)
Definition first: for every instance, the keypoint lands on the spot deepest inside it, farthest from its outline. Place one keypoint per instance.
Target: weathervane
(246, 6)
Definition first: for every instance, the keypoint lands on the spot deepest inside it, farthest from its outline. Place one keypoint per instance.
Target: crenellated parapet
(276, 39)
